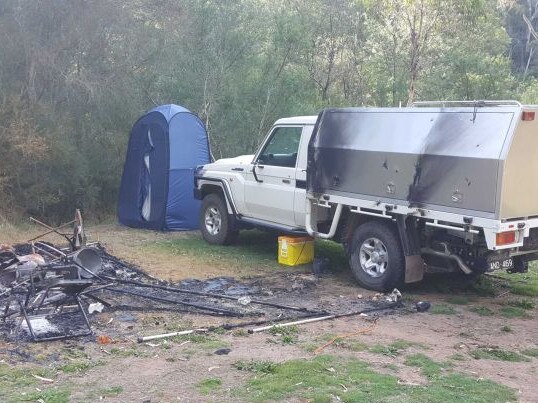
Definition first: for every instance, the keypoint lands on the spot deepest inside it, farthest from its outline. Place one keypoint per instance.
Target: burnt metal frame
(74, 296)
(60, 337)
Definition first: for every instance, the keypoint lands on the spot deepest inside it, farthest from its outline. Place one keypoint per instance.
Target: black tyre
(376, 256)
(215, 222)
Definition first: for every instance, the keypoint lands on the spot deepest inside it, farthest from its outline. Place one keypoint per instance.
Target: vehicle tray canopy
(475, 160)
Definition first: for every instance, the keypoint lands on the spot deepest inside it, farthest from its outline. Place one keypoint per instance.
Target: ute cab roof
(297, 120)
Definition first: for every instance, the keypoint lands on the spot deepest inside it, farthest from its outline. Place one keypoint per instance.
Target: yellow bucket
(295, 251)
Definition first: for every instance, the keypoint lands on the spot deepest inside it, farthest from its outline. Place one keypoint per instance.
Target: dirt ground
(457, 327)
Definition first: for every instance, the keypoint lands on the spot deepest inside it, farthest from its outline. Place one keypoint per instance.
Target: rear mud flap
(414, 269)
(414, 264)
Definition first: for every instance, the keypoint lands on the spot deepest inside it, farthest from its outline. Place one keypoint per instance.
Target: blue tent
(156, 192)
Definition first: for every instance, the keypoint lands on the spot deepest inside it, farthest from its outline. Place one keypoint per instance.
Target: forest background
(76, 74)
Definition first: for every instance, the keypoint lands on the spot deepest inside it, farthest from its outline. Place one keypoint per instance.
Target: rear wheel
(216, 224)
(376, 256)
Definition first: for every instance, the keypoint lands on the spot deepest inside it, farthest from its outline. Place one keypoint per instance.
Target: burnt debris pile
(49, 292)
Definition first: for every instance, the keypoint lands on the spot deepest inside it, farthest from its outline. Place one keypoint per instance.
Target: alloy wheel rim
(213, 220)
(373, 257)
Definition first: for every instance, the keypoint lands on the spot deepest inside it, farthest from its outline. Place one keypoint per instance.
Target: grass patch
(188, 353)
(204, 341)
(448, 386)
(392, 350)
(339, 342)
(514, 312)
(484, 287)
(482, 310)
(219, 330)
(263, 367)
(288, 334)
(524, 303)
(429, 367)
(530, 290)
(128, 352)
(100, 394)
(19, 384)
(288, 339)
(53, 395)
(111, 392)
(458, 357)
(506, 329)
(530, 352)
(350, 345)
(497, 354)
(392, 367)
(208, 385)
(78, 367)
(458, 300)
(177, 326)
(334, 252)
(253, 249)
(194, 338)
(329, 378)
(525, 284)
(165, 345)
(174, 323)
(442, 309)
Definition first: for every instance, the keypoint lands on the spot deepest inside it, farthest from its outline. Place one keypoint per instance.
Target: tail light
(528, 116)
(506, 238)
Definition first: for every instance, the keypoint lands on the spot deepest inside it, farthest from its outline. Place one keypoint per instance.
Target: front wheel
(376, 256)
(215, 223)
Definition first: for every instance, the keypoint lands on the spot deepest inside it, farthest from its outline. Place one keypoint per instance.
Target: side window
(281, 149)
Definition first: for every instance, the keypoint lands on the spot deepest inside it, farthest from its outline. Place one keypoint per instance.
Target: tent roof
(169, 111)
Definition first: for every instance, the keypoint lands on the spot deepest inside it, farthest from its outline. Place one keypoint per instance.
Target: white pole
(165, 335)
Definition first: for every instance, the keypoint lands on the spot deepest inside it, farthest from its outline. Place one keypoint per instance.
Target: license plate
(502, 264)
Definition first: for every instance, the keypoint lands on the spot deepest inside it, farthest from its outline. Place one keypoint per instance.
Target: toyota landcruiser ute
(439, 186)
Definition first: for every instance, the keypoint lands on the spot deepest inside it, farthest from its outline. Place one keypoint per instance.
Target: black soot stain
(432, 163)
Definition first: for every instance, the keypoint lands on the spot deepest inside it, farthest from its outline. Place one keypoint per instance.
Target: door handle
(260, 166)
(238, 169)
(286, 181)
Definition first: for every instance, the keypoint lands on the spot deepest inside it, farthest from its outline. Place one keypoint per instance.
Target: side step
(277, 227)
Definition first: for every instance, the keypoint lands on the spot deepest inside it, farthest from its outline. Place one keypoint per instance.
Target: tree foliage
(76, 74)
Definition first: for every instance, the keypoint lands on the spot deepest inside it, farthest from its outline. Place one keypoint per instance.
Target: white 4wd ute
(267, 189)
(435, 187)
